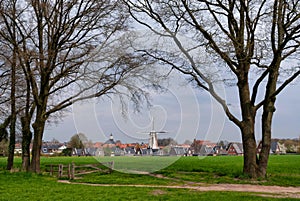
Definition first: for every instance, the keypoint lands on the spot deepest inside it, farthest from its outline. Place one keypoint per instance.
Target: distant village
(164, 147)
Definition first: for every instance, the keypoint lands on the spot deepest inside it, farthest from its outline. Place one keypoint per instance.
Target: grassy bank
(282, 171)
(23, 186)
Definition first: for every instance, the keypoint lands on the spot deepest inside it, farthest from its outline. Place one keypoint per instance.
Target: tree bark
(26, 140)
(247, 128)
(38, 128)
(11, 146)
(266, 144)
(267, 118)
(25, 122)
(12, 137)
(249, 146)
(247, 125)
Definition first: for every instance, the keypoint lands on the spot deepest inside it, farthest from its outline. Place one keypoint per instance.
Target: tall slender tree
(10, 60)
(252, 45)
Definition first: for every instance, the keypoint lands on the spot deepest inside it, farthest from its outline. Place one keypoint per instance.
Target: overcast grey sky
(184, 111)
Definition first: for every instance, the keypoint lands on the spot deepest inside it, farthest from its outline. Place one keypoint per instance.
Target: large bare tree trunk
(26, 140)
(38, 128)
(247, 126)
(25, 122)
(37, 144)
(250, 158)
(267, 117)
(12, 141)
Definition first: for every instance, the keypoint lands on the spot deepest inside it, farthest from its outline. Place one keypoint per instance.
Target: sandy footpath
(268, 191)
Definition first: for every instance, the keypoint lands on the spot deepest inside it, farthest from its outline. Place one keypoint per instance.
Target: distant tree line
(292, 145)
(166, 142)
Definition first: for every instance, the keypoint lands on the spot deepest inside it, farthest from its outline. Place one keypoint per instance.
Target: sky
(185, 112)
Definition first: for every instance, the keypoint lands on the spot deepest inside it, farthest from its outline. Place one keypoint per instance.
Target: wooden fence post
(73, 171)
(69, 171)
(60, 170)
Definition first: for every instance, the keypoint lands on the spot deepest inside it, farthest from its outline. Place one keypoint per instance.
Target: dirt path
(268, 191)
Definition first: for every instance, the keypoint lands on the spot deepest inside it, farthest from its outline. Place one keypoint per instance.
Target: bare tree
(241, 39)
(70, 51)
(9, 58)
(18, 59)
(78, 141)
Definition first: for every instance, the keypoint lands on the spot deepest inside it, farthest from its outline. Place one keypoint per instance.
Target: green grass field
(282, 171)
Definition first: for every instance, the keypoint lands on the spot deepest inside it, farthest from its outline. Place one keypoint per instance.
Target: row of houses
(47, 148)
(233, 148)
(111, 148)
(207, 148)
(197, 148)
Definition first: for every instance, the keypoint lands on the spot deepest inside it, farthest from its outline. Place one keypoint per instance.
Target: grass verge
(25, 186)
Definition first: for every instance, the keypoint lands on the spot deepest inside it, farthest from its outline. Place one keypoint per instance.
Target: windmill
(153, 144)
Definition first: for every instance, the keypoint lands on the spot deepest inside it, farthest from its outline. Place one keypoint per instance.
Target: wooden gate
(71, 170)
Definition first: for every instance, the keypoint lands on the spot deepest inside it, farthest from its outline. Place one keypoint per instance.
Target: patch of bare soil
(158, 192)
(268, 191)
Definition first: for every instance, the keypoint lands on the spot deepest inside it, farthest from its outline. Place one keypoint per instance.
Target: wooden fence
(71, 170)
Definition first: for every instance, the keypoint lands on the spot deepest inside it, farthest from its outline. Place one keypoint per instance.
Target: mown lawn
(25, 186)
(283, 171)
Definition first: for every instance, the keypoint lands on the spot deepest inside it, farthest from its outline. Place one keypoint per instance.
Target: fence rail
(71, 170)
